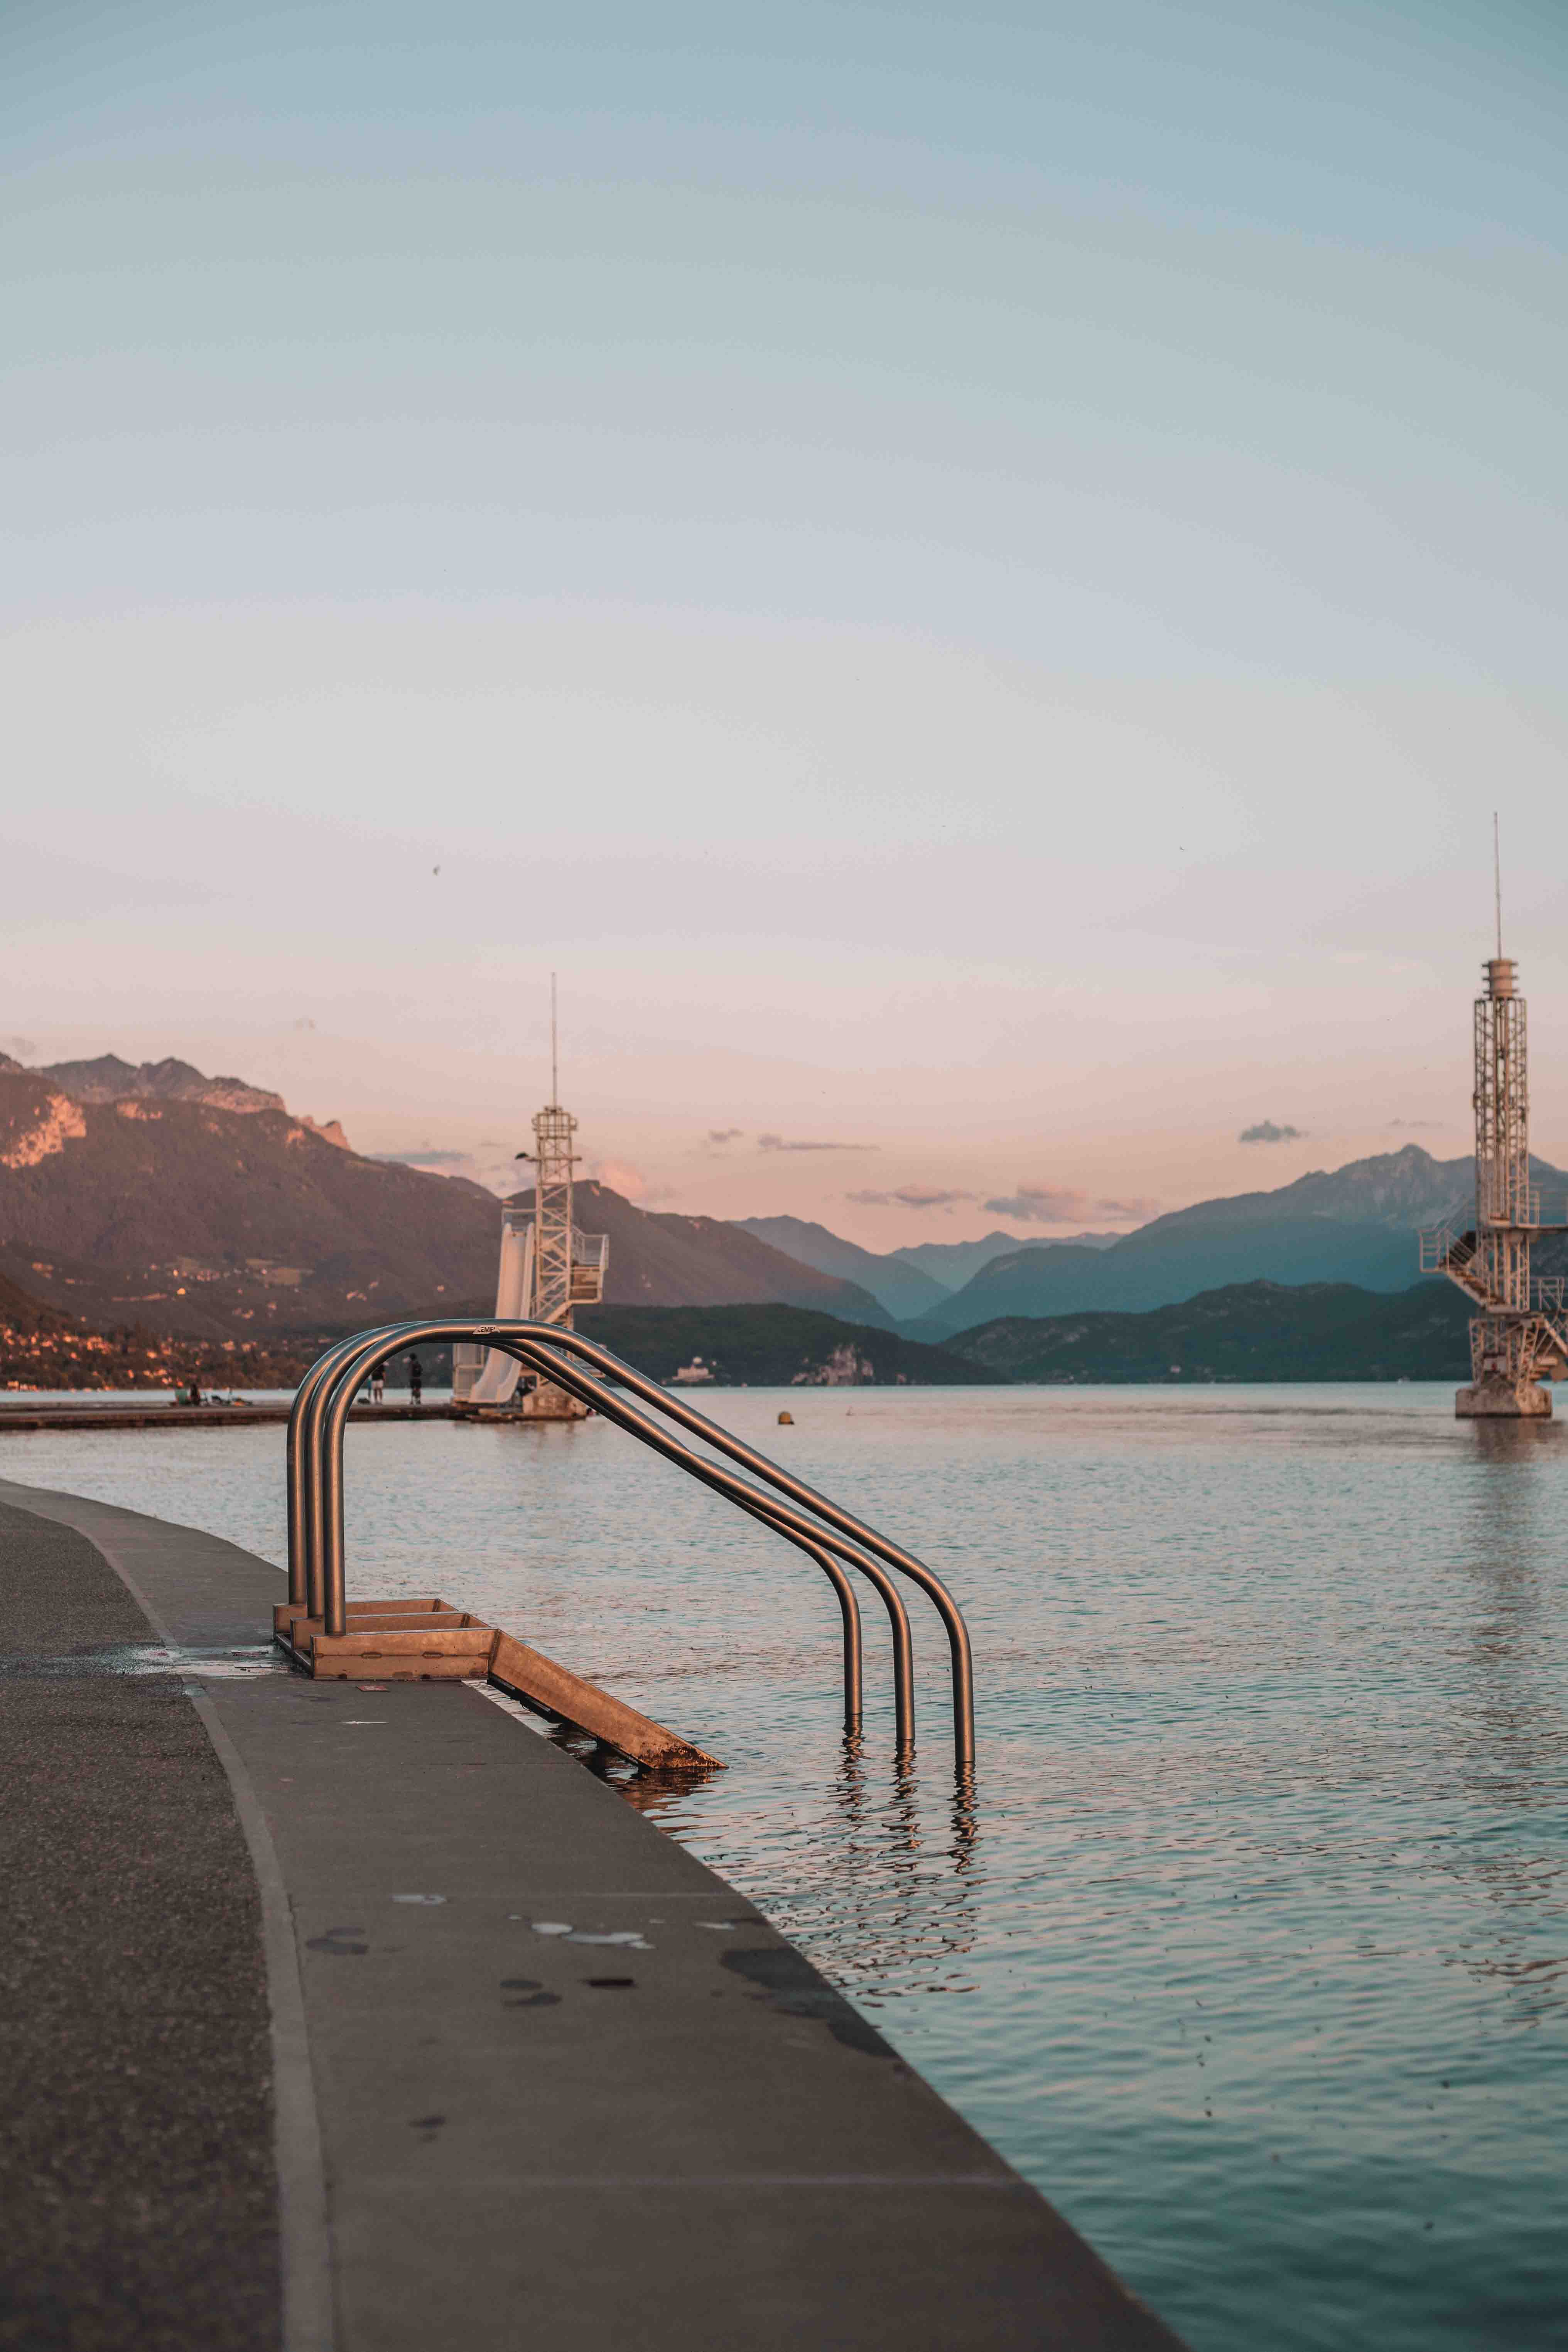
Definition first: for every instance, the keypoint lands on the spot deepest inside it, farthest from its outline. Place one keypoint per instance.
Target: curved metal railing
(328, 1411)
(794, 1509)
(316, 1531)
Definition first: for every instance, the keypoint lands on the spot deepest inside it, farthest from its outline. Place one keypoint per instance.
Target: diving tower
(548, 1269)
(1519, 1335)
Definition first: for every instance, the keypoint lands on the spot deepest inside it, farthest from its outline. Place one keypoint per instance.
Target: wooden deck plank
(532, 1676)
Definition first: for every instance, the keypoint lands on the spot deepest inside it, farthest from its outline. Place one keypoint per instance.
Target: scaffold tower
(1519, 1337)
(554, 1160)
(547, 1268)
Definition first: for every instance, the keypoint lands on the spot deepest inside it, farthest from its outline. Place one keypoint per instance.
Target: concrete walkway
(538, 2073)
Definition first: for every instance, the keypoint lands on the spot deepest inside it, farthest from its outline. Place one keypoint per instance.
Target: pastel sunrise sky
(970, 578)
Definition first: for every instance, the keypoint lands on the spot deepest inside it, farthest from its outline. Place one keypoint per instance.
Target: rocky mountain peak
(108, 1079)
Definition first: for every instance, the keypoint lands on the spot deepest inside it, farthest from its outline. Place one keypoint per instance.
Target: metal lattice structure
(566, 1267)
(547, 1268)
(1518, 1339)
(554, 1160)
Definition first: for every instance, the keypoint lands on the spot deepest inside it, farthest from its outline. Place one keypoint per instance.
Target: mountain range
(952, 1263)
(1353, 1225)
(908, 1282)
(904, 1291)
(152, 1193)
(1247, 1332)
(660, 1258)
(174, 1205)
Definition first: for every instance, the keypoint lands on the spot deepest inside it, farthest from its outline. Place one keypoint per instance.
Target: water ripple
(1252, 1947)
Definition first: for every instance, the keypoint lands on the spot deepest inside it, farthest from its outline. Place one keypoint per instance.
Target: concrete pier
(1495, 1399)
(362, 2019)
(161, 1413)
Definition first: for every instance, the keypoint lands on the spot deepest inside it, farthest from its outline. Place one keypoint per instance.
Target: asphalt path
(136, 2173)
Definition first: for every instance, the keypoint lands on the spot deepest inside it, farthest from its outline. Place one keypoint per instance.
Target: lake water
(1253, 1954)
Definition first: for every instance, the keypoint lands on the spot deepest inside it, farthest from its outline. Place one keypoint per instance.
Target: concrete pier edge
(303, 2242)
(740, 2084)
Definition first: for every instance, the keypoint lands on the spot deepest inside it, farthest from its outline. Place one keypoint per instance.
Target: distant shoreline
(1258, 1333)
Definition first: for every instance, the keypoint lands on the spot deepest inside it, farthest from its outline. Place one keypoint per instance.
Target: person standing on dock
(378, 1384)
(415, 1381)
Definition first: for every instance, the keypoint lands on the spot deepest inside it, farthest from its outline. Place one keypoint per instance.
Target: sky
(969, 579)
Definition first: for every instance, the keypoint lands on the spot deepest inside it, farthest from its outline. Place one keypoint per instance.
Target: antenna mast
(1497, 884)
(568, 1267)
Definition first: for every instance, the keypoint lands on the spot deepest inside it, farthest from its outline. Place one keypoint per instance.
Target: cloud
(1042, 1204)
(1267, 1132)
(778, 1143)
(909, 1196)
(1413, 1125)
(621, 1177)
(725, 1134)
(1064, 1204)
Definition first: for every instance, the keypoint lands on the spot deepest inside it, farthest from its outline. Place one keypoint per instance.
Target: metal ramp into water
(328, 1635)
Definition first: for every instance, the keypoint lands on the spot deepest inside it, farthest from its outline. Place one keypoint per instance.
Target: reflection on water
(1508, 1715)
(892, 1879)
(1250, 1944)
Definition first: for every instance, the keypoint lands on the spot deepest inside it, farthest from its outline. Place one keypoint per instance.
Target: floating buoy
(786, 1421)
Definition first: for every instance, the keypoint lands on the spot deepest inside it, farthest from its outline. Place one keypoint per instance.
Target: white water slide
(483, 1375)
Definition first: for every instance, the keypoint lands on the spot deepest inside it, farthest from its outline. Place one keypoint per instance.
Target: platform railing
(1436, 1241)
(794, 1511)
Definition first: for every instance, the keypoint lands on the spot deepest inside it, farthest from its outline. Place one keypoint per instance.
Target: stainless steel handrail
(326, 1413)
(854, 1642)
(316, 1525)
(307, 1527)
(760, 1507)
(866, 1538)
(541, 1341)
(316, 1559)
(307, 1548)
